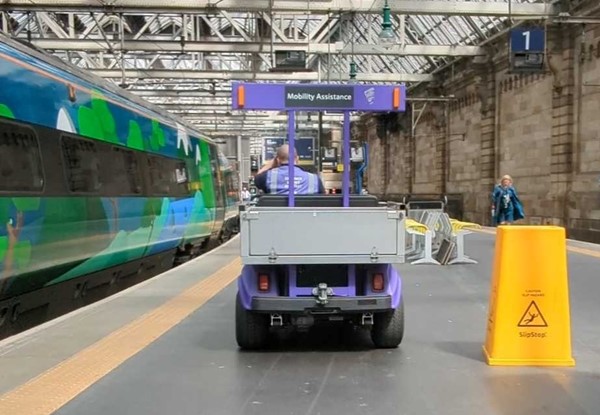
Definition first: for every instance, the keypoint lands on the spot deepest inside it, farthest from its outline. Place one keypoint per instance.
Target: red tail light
(377, 282)
(263, 282)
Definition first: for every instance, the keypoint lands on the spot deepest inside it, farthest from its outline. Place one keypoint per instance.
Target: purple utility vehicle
(312, 259)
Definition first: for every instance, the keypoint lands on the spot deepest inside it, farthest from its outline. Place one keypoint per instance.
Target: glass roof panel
(419, 29)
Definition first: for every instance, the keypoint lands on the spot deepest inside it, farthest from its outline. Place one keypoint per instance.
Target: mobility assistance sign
(300, 96)
(318, 97)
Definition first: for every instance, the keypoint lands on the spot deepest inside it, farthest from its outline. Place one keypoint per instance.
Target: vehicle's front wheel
(388, 327)
(251, 329)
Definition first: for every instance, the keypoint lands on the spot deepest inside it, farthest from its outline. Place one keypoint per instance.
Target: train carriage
(98, 188)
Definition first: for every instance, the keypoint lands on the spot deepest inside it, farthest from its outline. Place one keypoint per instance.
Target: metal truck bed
(316, 230)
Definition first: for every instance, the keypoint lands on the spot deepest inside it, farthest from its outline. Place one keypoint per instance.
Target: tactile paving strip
(52, 389)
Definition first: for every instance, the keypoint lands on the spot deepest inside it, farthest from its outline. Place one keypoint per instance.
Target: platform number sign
(527, 40)
(527, 49)
(527, 35)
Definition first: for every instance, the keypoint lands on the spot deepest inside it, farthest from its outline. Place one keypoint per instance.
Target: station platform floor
(167, 346)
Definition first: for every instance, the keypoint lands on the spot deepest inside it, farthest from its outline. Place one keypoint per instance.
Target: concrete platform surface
(196, 367)
(25, 355)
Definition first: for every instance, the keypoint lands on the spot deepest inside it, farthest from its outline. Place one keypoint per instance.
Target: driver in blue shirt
(273, 177)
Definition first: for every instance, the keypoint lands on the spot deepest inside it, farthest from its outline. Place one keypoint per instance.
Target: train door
(219, 186)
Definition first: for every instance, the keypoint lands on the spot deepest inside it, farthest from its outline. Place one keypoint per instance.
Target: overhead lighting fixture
(386, 36)
(352, 72)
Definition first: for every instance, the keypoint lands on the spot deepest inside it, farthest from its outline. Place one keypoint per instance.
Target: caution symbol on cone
(533, 317)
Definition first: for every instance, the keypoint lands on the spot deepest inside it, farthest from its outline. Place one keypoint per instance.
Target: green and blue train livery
(98, 188)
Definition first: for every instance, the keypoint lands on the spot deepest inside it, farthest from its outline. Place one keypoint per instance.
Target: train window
(193, 172)
(168, 177)
(82, 164)
(124, 176)
(217, 177)
(232, 186)
(20, 160)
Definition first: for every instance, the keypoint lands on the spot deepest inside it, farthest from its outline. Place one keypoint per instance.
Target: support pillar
(562, 65)
(489, 94)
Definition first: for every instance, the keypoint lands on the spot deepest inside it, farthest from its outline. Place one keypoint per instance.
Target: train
(99, 189)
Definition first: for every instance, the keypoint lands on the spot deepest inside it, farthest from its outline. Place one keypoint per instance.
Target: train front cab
(320, 263)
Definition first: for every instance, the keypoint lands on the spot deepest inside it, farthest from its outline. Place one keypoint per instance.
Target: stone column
(375, 167)
(487, 91)
(561, 61)
(439, 129)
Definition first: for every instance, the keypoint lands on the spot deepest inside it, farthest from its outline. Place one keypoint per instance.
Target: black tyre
(388, 327)
(251, 329)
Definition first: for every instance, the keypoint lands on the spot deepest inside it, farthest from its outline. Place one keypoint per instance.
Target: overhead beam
(206, 118)
(180, 94)
(205, 128)
(221, 117)
(260, 76)
(222, 126)
(409, 7)
(253, 47)
(252, 133)
(183, 106)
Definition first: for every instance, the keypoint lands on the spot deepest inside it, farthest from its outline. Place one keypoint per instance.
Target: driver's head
(283, 154)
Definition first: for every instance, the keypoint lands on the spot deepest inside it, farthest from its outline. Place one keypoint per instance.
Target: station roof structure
(183, 54)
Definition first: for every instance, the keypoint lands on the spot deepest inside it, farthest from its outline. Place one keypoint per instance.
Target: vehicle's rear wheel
(251, 329)
(388, 327)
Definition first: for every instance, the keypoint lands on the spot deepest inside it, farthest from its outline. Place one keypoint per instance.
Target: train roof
(42, 55)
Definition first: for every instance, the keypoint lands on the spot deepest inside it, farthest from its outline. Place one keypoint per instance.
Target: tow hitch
(276, 320)
(367, 319)
(322, 292)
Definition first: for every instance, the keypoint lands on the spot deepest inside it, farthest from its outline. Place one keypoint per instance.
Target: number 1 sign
(531, 39)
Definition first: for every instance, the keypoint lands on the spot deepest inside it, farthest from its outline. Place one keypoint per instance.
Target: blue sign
(304, 147)
(527, 40)
(270, 146)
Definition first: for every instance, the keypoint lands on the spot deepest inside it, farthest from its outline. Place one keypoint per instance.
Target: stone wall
(542, 129)
(464, 163)
(582, 209)
(525, 131)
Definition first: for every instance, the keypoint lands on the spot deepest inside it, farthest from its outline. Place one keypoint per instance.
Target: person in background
(273, 177)
(506, 206)
(245, 195)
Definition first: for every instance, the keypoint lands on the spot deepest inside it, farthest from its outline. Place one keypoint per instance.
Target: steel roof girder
(92, 45)
(149, 45)
(433, 7)
(259, 76)
(236, 118)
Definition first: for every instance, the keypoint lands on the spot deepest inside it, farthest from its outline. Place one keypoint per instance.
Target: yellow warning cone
(529, 321)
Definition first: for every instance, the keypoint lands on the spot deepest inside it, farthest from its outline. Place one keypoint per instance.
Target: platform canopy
(184, 54)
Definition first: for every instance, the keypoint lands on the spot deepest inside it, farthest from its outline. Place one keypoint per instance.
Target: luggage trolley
(312, 259)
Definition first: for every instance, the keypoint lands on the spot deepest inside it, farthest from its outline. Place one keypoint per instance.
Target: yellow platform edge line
(46, 393)
(574, 249)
